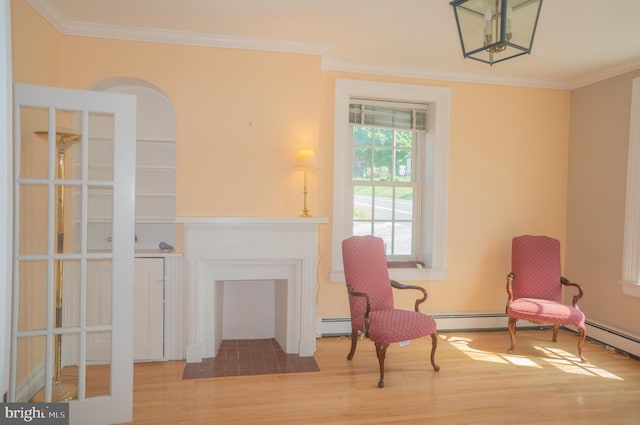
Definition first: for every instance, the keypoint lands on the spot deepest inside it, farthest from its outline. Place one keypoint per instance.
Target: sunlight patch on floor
(553, 356)
(570, 363)
(462, 344)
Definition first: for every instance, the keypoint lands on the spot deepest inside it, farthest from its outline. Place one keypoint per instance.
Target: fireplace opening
(254, 310)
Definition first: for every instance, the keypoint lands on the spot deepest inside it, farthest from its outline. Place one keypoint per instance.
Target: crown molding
(51, 13)
(119, 32)
(191, 38)
(630, 66)
(354, 67)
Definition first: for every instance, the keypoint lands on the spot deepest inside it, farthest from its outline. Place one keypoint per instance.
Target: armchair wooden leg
(582, 335)
(354, 342)
(512, 334)
(381, 350)
(434, 345)
(555, 332)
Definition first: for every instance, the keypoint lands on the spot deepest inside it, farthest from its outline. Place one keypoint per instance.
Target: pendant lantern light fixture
(492, 31)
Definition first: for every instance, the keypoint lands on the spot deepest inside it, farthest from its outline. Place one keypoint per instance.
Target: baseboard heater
(615, 338)
(340, 326)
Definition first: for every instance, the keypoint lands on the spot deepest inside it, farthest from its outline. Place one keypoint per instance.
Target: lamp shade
(492, 31)
(306, 159)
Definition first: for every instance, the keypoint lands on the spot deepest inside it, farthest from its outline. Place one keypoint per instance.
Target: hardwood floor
(478, 383)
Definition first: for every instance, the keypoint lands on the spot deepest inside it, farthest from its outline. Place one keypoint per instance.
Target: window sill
(401, 274)
(631, 288)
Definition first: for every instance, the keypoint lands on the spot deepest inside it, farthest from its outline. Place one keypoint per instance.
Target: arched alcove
(155, 160)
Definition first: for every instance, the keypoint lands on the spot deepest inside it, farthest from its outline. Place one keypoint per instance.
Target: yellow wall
(36, 47)
(242, 115)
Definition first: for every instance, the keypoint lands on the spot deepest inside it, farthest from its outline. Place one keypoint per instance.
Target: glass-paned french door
(74, 180)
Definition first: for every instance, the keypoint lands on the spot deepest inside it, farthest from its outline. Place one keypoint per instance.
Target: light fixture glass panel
(495, 30)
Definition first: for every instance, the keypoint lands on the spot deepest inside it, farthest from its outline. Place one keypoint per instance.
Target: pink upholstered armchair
(371, 301)
(535, 286)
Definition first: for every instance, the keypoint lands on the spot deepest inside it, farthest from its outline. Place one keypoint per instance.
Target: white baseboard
(30, 385)
(616, 338)
(338, 326)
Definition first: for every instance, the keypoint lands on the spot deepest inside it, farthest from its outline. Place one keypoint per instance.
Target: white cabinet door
(148, 332)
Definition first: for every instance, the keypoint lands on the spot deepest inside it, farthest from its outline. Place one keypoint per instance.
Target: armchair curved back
(365, 269)
(535, 262)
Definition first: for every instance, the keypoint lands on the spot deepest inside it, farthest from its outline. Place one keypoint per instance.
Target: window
(631, 254)
(390, 173)
(387, 141)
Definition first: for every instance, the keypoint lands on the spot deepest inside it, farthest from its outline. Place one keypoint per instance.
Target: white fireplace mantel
(223, 249)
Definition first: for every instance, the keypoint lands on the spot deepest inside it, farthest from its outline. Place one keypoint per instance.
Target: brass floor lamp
(61, 391)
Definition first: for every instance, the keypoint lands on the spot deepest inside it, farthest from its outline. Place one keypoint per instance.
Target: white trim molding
(434, 227)
(631, 252)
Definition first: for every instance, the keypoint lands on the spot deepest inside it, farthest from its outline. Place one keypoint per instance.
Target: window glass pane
(32, 295)
(362, 136)
(403, 206)
(383, 164)
(361, 164)
(98, 377)
(67, 202)
(362, 228)
(100, 212)
(403, 155)
(99, 290)
(362, 202)
(66, 377)
(70, 293)
(34, 150)
(383, 203)
(33, 219)
(383, 137)
(383, 229)
(101, 147)
(30, 361)
(402, 238)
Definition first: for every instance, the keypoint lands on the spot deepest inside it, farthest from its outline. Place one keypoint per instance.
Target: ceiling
(577, 42)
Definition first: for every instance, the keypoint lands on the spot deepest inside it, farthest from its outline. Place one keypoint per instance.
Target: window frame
(434, 168)
(631, 252)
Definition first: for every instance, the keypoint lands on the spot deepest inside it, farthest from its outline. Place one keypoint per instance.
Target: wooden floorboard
(478, 384)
